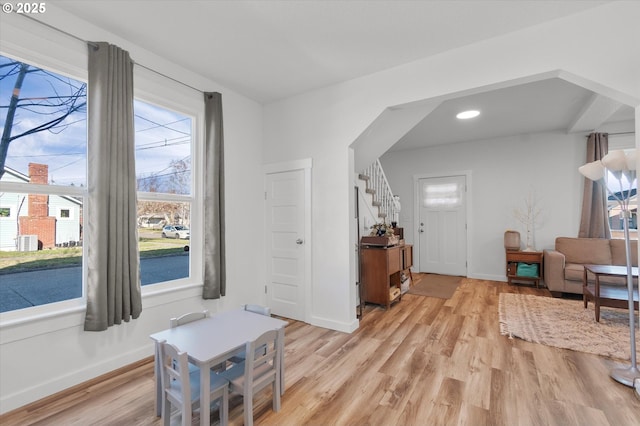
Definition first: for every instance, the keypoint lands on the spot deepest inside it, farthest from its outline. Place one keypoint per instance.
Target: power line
(166, 126)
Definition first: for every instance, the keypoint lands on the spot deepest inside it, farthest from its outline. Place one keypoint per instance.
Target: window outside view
(43, 178)
(617, 190)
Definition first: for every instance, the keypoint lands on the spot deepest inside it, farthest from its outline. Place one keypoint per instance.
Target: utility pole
(11, 112)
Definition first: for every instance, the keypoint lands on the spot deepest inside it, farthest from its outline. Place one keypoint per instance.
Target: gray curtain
(214, 228)
(595, 218)
(113, 281)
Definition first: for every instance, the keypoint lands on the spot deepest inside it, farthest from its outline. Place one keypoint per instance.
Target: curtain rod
(615, 134)
(93, 44)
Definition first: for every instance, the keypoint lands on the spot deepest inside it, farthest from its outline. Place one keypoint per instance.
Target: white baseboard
(26, 396)
(335, 325)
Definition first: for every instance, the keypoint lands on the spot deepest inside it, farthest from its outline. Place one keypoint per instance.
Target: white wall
(49, 353)
(322, 124)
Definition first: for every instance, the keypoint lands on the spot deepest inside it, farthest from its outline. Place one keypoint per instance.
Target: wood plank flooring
(426, 361)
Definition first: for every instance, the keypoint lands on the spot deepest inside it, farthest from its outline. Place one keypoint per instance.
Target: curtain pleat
(113, 280)
(214, 220)
(594, 222)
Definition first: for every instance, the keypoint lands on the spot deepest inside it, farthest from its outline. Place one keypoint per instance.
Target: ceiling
(542, 106)
(269, 50)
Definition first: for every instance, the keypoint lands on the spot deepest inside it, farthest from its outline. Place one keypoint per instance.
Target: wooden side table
(530, 257)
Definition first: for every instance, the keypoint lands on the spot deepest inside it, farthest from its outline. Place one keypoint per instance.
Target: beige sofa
(564, 266)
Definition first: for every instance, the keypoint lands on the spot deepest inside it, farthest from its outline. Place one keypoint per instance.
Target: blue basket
(527, 270)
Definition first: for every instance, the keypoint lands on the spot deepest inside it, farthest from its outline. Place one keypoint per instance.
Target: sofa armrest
(554, 262)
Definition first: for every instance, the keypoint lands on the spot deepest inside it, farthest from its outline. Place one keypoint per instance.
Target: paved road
(26, 289)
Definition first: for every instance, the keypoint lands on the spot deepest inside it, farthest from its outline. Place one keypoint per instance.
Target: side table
(531, 257)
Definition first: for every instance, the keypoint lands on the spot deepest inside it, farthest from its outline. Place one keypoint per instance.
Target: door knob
(421, 230)
(299, 241)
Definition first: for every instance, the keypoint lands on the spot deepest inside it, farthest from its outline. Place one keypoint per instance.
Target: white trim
(41, 189)
(287, 166)
(345, 327)
(305, 164)
(416, 213)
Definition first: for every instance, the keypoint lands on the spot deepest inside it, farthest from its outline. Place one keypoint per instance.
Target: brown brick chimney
(38, 222)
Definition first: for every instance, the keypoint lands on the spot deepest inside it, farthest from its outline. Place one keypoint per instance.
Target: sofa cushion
(619, 255)
(594, 251)
(574, 271)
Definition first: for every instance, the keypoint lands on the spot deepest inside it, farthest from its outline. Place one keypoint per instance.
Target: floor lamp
(618, 168)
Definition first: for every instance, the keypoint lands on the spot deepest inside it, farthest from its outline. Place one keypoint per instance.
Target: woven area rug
(565, 324)
(434, 285)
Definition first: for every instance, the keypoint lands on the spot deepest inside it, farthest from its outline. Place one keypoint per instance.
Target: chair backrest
(175, 380)
(258, 309)
(187, 318)
(264, 367)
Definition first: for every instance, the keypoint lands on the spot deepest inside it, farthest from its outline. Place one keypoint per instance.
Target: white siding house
(67, 212)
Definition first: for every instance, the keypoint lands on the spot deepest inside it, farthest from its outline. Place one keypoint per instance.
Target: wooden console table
(380, 269)
(531, 257)
(614, 296)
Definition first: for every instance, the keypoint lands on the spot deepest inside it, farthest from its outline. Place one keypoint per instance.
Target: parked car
(175, 231)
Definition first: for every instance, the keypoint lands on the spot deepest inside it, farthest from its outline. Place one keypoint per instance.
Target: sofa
(564, 266)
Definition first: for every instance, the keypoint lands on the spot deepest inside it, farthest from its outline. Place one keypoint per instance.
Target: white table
(211, 341)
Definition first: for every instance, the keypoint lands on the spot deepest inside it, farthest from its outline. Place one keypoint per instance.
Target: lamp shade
(594, 170)
(632, 159)
(615, 160)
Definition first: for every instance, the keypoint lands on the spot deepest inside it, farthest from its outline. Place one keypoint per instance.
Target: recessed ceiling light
(468, 114)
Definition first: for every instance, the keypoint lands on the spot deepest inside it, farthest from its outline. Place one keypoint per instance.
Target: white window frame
(179, 98)
(34, 43)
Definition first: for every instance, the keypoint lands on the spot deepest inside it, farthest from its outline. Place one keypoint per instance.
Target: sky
(161, 135)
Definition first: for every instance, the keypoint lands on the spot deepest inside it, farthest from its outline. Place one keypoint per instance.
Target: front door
(442, 225)
(285, 239)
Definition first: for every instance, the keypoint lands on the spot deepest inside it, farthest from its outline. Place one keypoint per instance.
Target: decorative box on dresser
(380, 269)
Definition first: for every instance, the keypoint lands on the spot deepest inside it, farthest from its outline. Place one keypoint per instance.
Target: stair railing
(378, 187)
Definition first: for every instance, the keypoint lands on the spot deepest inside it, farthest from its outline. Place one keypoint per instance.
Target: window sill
(26, 323)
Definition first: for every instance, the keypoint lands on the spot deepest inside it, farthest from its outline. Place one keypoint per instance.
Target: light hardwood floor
(426, 361)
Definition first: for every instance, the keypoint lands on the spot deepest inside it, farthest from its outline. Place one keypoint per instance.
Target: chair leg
(224, 407)
(166, 412)
(276, 394)
(186, 413)
(248, 410)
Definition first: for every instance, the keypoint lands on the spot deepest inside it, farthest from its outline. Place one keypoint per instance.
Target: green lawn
(16, 261)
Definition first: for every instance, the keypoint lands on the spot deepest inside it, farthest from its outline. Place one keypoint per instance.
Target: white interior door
(286, 245)
(442, 226)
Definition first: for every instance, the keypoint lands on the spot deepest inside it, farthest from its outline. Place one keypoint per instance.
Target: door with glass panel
(442, 225)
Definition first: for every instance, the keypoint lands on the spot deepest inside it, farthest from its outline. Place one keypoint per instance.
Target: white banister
(378, 186)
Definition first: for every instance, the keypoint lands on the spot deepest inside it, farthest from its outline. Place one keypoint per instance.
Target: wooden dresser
(380, 269)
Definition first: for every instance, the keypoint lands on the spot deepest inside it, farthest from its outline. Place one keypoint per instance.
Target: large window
(44, 187)
(43, 156)
(163, 171)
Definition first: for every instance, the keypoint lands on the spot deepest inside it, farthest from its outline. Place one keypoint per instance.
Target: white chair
(258, 309)
(187, 318)
(181, 388)
(257, 372)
